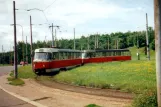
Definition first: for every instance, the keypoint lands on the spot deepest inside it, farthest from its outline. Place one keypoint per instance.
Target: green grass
(15, 82)
(128, 76)
(25, 72)
(92, 105)
(142, 53)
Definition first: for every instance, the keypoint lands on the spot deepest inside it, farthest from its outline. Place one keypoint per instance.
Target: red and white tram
(53, 59)
(97, 56)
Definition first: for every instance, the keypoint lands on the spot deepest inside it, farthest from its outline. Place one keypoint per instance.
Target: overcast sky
(86, 16)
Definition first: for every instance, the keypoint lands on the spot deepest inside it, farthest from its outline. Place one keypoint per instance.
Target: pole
(108, 43)
(52, 36)
(2, 56)
(23, 45)
(74, 38)
(15, 44)
(95, 41)
(88, 42)
(157, 21)
(31, 42)
(147, 38)
(55, 38)
(26, 51)
(138, 48)
(117, 44)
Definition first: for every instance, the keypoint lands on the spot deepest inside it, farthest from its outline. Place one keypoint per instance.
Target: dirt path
(73, 99)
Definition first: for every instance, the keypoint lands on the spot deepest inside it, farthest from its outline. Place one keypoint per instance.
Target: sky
(86, 16)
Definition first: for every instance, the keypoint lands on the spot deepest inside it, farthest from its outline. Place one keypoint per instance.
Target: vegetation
(25, 72)
(92, 105)
(16, 82)
(146, 99)
(125, 40)
(129, 76)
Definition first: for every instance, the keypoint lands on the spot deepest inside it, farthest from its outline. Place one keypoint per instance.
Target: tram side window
(49, 56)
(104, 54)
(61, 56)
(55, 56)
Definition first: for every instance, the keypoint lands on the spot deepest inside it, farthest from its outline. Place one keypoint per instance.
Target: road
(6, 99)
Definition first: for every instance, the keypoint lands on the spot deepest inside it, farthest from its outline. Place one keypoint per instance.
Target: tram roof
(55, 50)
(112, 50)
(106, 50)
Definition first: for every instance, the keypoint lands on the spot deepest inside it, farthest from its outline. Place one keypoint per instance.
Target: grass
(92, 105)
(128, 76)
(25, 72)
(15, 82)
(142, 53)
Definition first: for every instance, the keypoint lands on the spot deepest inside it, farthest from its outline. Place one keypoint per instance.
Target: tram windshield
(42, 56)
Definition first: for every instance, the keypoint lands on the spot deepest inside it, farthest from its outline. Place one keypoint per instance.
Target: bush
(146, 99)
(16, 82)
(92, 105)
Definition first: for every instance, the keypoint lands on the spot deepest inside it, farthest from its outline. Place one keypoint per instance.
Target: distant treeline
(112, 41)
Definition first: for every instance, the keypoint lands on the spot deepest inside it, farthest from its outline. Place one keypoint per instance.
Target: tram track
(85, 90)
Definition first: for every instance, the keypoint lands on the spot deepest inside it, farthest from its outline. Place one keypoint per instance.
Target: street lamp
(39, 10)
(22, 38)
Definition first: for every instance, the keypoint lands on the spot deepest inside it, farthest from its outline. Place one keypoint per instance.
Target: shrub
(146, 99)
(92, 105)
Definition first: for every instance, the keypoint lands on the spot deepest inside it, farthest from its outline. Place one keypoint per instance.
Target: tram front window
(42, 56)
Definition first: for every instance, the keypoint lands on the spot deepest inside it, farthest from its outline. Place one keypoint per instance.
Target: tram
(98, 56)
(53, 59)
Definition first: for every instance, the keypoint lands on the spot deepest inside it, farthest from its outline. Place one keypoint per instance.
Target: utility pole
(55, 38)
(157, 22)
(88, 41)
(147, 38)
(52, 35)
(2, 56)
(31, 42)
(95, 42)
(23, 46)
(15, 42)
(117, 44)
(26, 51)
(108, 43)
(74, 38)
(138, 48)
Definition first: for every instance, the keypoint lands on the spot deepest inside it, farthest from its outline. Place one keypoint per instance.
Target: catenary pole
(26, 51)
(52, 34)
(147, 38)
(88, 41)
(15, 44)
(55, 38)
(74, 38)
(31, 42)
(157, 22)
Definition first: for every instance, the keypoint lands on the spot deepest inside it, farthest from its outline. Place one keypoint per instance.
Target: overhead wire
(50, 5)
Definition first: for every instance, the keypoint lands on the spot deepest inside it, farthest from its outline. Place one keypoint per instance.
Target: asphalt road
(6, 100)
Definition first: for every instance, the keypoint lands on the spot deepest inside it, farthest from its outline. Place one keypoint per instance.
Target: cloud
(87, 16)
